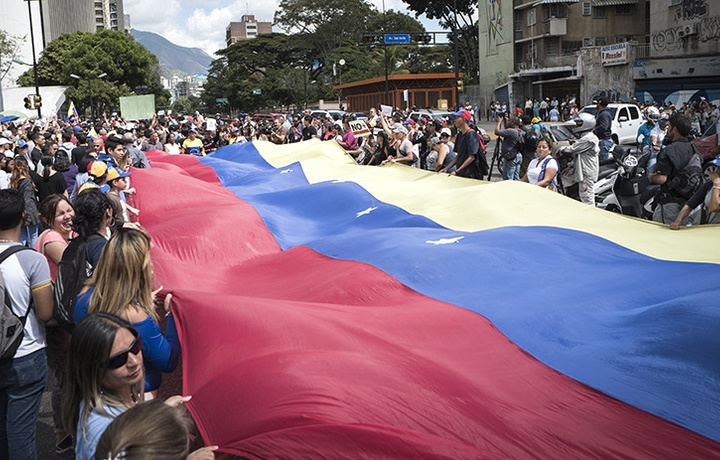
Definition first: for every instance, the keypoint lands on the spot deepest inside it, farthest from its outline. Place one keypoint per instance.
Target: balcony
(555, 27)
(642, 51)
(547, 64)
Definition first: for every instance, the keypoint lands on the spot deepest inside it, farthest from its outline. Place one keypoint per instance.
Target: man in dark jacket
(603, 129)
(678, 172)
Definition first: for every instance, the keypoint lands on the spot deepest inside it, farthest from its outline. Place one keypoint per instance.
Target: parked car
(360, 116)
(335, 115)
(265, 116)
(626, 119)
(429, 114)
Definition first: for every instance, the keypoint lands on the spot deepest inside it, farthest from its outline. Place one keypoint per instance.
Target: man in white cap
(403, 146)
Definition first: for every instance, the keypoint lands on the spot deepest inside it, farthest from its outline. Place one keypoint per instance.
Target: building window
(517, 22)
(623, 38)
(598, 12)
(624, 10)
(600, 41)
(587, 41)
(531, 17)
(98, 4)
(571, 46)
(555, 10)
(675, 2)
(532, 52)
(552, 46)
(586, 8)
(113, 7)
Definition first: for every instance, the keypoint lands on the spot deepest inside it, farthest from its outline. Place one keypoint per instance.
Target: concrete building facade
(61, 16)
(558, 46)
(681, 61)
(246, 29)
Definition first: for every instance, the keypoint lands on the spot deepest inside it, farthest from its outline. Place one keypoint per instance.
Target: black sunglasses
(121, 358)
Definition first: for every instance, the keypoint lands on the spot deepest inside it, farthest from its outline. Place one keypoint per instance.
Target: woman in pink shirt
(57, 214)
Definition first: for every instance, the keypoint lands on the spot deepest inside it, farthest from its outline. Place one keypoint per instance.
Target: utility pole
(457, 58)
(387, 81)
(32, 43)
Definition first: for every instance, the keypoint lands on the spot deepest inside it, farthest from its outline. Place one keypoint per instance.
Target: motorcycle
(631, 194)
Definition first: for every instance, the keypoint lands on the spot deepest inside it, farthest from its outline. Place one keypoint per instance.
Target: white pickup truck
(626, 119)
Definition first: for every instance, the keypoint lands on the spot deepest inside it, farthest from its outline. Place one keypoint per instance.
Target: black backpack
(689, 178)
(12, 327)
(481, 167)
(73, 271)
(528, 140)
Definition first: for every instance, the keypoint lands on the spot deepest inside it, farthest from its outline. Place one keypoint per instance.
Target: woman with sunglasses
(105, 378)
(121, 285)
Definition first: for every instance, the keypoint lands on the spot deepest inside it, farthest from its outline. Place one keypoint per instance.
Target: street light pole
(32, 43)
(387, 82)
(457, 59)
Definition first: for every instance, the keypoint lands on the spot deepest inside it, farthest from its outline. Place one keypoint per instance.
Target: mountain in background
(173, 59)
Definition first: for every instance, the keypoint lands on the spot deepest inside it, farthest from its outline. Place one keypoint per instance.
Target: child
(118, 183)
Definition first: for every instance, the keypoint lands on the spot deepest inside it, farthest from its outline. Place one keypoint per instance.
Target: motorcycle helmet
(584, 122)
(652, 114)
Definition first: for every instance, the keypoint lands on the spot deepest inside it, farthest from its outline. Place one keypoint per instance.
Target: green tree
(9, 50)
(297, 68)
(445, 11)
(129, 67)
(188, 105)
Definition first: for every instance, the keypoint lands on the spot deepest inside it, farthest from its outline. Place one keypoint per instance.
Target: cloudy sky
(202, 24)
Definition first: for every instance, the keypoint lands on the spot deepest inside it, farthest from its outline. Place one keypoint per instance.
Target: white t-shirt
(4, 179)
(22, 272)
(659, 133)
(173, 149)
(535, 167)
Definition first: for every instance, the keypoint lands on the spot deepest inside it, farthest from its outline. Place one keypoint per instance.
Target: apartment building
(246, 29)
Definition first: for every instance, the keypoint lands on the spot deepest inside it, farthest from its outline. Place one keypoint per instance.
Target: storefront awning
(544, 2)
(613, 2)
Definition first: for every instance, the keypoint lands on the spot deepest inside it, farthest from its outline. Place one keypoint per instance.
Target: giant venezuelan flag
(330, 310)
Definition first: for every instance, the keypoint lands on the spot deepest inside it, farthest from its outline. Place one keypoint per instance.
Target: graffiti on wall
(691, 9)
(610, 94)
(495, 25)
(680, 37)
(710, 29)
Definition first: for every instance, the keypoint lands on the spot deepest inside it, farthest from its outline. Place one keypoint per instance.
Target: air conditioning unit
(686, 31)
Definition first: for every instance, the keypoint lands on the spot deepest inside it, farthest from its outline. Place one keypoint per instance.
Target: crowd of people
(66, 186)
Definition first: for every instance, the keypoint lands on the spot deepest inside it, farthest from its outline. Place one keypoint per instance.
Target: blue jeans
(511, 168)
(22, 381)
(29, 234)
(605, 146)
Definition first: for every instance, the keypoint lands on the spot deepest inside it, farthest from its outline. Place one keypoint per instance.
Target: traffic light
(28, 102)
(460, 86)
(37, 101)
(372, 39)
(422, 39)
